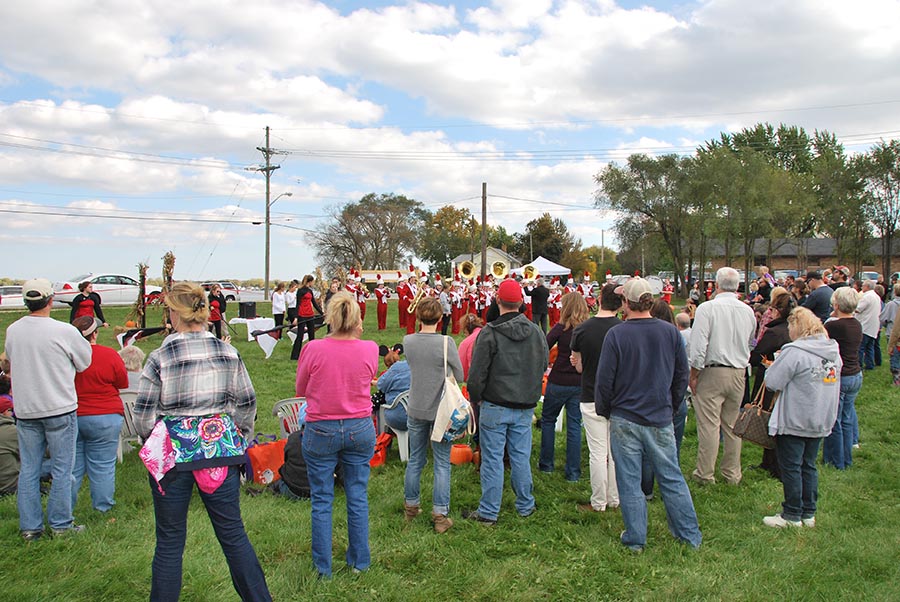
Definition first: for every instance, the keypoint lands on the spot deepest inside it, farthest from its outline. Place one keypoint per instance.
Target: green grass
(557, 554)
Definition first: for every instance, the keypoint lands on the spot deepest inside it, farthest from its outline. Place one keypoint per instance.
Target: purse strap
(445, 356)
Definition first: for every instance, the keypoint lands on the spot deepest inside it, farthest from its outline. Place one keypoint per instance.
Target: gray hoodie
(808, 374)
(508, 363)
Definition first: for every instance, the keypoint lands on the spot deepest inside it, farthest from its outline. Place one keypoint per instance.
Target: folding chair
(402, 436)
(287, 411)
(128, 432)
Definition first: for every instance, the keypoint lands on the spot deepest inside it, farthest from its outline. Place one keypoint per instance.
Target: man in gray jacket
(45, 355)
(508, 363)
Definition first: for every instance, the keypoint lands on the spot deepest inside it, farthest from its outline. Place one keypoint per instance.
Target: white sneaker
(780, 522)
(809, 522)
(856, 446)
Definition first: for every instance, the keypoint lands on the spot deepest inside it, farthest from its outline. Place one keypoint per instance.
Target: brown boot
(411, 512)
(442, 522)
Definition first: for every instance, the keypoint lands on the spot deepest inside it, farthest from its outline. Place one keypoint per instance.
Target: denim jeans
(95, 454)
(678, 421)
(838, 448)
(57, 434)
(799, 477)
(602, 467)
(224, 510)
(396, 418)
(556, 398)
(507, 428)
(631, 443)
(352, 443)
(419, 438)
(867, 353)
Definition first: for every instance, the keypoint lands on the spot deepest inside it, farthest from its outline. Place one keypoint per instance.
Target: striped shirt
(194, 374)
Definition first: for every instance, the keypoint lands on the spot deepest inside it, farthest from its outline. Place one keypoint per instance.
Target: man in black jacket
(508, 363)
(539, 295)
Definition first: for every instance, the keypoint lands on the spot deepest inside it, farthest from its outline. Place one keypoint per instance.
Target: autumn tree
(881, 177)
(376, 232)
(545, 236)
(451, 231)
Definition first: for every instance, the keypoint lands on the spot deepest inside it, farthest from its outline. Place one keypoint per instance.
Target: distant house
(493, 255)
(800, 254)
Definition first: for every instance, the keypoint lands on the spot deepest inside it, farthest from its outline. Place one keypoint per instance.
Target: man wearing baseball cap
(839, 276)
(508, 364)
(45, 355)
(641, 380)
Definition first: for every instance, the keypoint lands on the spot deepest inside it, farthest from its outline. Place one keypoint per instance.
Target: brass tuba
(499, 269)
(467, 270)
(530, 272)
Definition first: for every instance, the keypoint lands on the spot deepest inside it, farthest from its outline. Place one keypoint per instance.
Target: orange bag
(382, 443)
(265, 461)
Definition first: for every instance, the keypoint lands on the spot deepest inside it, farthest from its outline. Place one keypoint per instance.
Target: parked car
(11, 296)
(780, 275)
(229, 289)
(863, 276)
(114, 289)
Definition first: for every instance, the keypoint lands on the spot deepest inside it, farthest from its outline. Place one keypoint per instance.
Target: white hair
(727, 279)
(869, 285)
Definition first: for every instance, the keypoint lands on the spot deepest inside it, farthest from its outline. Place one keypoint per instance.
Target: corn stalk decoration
(321, 285)
(168, 270)
(138, 310)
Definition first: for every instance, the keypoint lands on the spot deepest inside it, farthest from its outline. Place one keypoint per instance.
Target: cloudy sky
(126, 128)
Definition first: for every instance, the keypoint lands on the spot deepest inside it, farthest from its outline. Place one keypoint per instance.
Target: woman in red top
(99, 418)
(215, 309)
(86, 303)
(306, 317)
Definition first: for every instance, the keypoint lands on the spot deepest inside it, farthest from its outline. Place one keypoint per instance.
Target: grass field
(556, 554)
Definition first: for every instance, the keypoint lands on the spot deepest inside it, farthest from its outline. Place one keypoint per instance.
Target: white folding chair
(128, 432)
(287, 411)
(402, 436)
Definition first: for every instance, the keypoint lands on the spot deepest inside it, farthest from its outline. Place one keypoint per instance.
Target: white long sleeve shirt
(723, 328)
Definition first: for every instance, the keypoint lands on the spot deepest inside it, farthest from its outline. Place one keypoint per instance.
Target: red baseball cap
(509, 292)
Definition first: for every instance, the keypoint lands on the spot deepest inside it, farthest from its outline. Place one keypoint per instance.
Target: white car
(11, 296)
(114, 289)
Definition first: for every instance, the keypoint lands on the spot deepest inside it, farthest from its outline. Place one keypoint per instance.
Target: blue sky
(125, 130)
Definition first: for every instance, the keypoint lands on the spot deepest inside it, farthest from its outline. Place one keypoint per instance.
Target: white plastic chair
(402, 436)
(128, 432)
(287, 411)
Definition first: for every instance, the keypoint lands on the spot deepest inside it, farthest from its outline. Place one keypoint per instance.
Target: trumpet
(499, 269)
(467, 270)
(420, 292)
(530, 272)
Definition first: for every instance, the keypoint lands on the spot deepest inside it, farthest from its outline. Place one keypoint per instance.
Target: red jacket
(98, 386)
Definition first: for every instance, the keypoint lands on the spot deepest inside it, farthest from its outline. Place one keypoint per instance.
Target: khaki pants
(717, 403)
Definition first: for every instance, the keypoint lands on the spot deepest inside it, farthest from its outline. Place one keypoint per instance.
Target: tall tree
(376, 232)
(650, 192)
(450, 232)
(545, 236)
(882, 187)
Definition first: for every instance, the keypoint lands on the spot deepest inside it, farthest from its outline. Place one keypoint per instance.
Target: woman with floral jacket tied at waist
(306, 303)
(335, 374)
(86, 303)
(195, 388)
(807, 372)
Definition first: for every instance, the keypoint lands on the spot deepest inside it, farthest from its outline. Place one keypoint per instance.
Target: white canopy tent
(545, 267)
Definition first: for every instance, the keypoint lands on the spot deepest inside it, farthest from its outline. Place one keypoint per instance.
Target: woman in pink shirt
(472, 326)
(334, 374)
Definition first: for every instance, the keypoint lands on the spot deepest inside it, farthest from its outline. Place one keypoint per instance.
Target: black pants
(540, 319)
(445, 321)
(303, 325)
(217, 326)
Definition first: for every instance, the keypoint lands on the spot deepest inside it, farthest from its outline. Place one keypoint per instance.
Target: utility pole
(267, 170)
(602, 245)
(483, 231)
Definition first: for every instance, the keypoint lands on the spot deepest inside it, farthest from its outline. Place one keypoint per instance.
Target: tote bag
(454, 416)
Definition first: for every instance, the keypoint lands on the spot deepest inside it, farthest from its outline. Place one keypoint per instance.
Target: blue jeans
(57, 434)
(556, 398)
(224, 510)
(867, 353)
(419, 437)
(352, 443)
(799, 477)
(95, 453)
(510, 429)
(396, 418)
(838, 448)
(678, 421)
(631, 443)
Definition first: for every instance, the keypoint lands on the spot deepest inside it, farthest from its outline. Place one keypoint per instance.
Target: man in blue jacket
(641, 380)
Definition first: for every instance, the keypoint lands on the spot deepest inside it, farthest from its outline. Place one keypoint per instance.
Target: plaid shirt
(194, 374)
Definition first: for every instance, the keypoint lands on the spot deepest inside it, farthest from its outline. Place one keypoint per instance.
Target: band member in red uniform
(472, 299)
(526, 298)
(382, 294)
(402, 299)
(554, 302)
(667, 291)
(570, 285)
(456, 303)
(362, 293)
